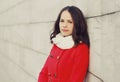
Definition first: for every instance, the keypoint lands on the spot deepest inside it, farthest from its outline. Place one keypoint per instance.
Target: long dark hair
(80, 32)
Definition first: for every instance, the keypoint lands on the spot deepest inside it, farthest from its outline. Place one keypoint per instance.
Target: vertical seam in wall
(96, 76)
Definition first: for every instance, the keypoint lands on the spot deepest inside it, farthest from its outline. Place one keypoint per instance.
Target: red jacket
(66, 65)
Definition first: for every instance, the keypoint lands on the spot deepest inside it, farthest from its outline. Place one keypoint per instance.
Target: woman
(69, 57)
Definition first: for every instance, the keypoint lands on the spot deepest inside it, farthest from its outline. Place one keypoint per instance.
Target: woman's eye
(61, 20)
(70, 21)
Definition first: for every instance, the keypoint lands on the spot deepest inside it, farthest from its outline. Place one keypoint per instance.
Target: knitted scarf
(63, 42)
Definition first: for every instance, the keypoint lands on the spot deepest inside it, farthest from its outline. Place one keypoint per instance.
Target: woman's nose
(65, 24)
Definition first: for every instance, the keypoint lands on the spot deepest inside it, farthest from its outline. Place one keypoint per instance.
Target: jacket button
(49, 74)
(51, 56)
(50, 80)
(58, 57)
(55, 75)
(80, 41)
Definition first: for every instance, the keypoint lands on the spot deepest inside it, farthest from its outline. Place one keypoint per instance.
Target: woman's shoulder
(82, 46)
(82, 49)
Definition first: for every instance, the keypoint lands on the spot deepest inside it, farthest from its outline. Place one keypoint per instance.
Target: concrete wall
(24, 37)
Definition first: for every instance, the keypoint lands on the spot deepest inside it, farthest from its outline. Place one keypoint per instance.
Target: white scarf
(63, 42)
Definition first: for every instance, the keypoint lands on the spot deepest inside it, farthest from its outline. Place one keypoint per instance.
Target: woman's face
(66, 23)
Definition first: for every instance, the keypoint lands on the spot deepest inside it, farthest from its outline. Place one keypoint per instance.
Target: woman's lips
(65, 30)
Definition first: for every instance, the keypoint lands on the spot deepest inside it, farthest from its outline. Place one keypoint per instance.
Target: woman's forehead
(66, 15)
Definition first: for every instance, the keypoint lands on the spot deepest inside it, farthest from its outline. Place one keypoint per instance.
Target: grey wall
(24, 37)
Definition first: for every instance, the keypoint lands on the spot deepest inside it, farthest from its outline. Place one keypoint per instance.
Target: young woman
(69, 57)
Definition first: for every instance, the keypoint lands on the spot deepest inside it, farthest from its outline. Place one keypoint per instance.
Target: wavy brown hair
(80, 31)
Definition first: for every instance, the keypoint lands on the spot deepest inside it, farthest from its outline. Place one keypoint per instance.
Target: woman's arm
(43, 75)
(81, 63)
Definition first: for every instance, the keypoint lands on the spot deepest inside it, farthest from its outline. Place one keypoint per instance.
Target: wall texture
(24, 37)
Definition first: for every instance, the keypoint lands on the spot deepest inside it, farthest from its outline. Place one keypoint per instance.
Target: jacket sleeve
(81, 63)
(43, 75)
